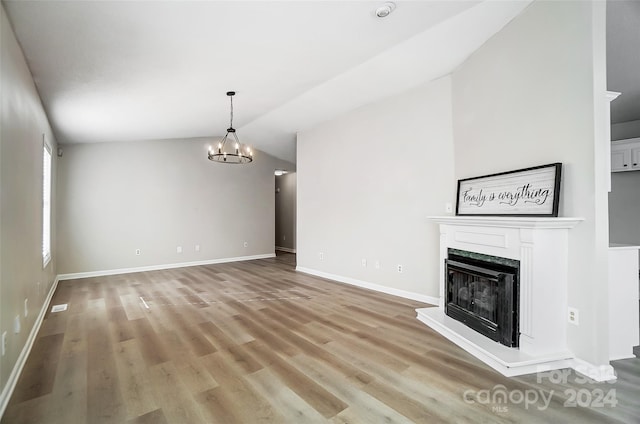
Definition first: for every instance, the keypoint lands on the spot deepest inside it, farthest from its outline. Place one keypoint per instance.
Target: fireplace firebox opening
(482, 292)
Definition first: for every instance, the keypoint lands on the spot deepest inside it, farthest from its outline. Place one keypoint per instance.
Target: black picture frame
(531, 192)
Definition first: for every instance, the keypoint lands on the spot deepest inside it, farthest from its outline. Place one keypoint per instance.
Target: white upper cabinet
(625, 155)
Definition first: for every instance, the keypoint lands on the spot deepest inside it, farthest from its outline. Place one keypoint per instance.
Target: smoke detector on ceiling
(385, 10)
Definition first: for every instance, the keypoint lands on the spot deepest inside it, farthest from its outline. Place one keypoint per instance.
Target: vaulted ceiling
(143, 70)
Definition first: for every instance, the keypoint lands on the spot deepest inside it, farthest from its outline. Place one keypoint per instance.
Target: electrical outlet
(321, 256)
(246, 244)
(364, 263)
(137, 252)
(400, 268)
(284, 237)
(573, 316)
(377, 264)
(197, 247)
(4, 343)
(26, 308)
(16, 324)
(179, 249)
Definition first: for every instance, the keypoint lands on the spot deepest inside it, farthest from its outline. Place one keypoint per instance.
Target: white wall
(115, 198)
(286, 191)
(527, 98)
(366, 184)
(22, 124)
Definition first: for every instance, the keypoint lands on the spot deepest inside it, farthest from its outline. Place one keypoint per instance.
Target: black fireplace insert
(482, 292)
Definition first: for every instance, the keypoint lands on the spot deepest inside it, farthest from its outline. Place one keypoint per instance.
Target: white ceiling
(142, 70)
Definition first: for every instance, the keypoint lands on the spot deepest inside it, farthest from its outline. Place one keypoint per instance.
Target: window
(46, 203)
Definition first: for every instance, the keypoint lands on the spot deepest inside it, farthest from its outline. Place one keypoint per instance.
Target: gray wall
(285, 235)
(624, 208)
(114, 198)
(624, 199)
(622, 130)
(526, 98)
(367, 182)
(22, 124)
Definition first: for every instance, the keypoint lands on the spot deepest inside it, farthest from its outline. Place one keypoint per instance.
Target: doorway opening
(285, 212)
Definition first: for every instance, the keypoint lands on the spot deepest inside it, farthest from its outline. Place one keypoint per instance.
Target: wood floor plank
(274, 341)
(322, 400)
(178, 406)
(195, 377)
(55, 323)
(69, 398)
(32, 411)
(289, 405)
(234, 329)
(400, 401)
(153, 350)
(238, 352)
(104, 401)
(39, 377)
(198, 343)
(119, 324)
(360, 348)
(134, 379)
(153, 417)
(258, 342)
(132, 306)
(235, 397)
(433, 397)
(362, 406)
(219, 407)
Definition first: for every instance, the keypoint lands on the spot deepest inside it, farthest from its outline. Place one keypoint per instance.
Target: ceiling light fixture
(233, 153)
(385, 10)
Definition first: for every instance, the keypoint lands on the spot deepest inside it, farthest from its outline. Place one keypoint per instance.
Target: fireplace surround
(540, 245)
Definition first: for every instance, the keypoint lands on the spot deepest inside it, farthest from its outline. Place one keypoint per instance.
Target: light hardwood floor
(252, 342)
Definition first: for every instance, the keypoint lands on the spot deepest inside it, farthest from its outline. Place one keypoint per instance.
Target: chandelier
(229, 149)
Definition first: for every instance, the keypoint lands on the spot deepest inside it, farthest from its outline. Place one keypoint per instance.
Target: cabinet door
(635, 158)
(621, 159)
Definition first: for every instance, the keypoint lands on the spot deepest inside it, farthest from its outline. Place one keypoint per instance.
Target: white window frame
(47, 172)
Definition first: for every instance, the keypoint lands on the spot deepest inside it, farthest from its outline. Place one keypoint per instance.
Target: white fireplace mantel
(508, 221)
(541, 246)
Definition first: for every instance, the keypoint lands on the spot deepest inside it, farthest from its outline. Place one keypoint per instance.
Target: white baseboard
(286, 249)
(594, 372)
(160, 267)
(8, 389)
(371, 286)
(621, 357)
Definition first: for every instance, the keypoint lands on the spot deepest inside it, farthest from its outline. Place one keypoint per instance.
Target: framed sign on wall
(524, 192)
